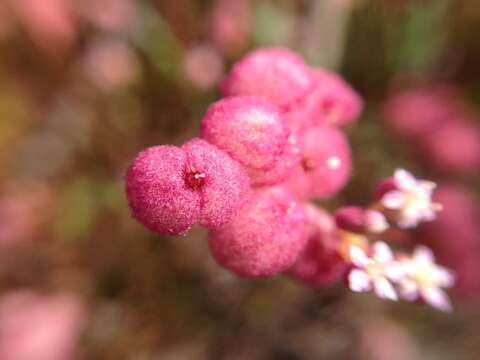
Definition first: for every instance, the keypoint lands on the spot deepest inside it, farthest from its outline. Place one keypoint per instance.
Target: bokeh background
(85, 85)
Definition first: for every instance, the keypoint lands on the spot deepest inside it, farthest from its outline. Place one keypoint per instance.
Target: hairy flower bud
(264, 238)
(170, 188)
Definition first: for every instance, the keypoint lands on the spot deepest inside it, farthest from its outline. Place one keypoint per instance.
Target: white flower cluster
(411, 199)
(407, 277)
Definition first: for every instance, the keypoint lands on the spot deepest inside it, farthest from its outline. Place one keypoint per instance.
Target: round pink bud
(325, 166)
(454, 147)
(384, 186)
(359, 220)
(249, 129)
(287, 162)
(351, 218)
(337, 102)
(170, 189)
(264, 238)
(277, 75)
(320, 264)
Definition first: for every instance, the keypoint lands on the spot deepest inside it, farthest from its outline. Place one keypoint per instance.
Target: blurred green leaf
(420, 40)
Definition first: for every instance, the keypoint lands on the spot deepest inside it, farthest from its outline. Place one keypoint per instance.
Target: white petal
(359, 281)
(407, 221)
(394, 199)
(436, 298)
(423, 254)
(396, 271)
(426, 186)
(384, 289)
(445, 277)
(382, 252)
(408, 290)
(358, 256)
(404, 179)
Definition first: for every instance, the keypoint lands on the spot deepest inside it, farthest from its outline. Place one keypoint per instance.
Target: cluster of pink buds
(270, 147)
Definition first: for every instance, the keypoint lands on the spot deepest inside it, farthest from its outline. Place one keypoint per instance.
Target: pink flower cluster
(265, 150)
(266, 147)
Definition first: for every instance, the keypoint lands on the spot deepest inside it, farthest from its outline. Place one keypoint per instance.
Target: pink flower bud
(249, 129)
(454, 147)
(170, 189)
(40, 327)
(326, 164)
(351, 218)
(320, 264)
(277, 75)
(359, 220)
(264, 238)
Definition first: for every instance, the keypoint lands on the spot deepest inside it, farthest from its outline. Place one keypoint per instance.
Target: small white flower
(375, 221)
(375, 272)
(412, 199)
(425, 279)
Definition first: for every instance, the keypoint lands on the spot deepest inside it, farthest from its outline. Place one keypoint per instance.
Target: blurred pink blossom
(416, 112)
(455, 236)
(22, 210)
(383, 339)
(230, 25)
(109, 15)
(110, 64)
(454, 147)
(203, 67)
(39, 327)
(50, 23)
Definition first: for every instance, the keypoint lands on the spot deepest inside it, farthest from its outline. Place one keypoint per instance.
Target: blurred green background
(86, 85)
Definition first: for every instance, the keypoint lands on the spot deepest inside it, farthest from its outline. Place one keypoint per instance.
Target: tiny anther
(308, 164)
(195, 179)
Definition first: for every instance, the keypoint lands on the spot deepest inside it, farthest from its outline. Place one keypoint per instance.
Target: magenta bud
(351, 218)
(264, 238)
(170, 189)
(249, 129)
(277, 75)
(384, 186)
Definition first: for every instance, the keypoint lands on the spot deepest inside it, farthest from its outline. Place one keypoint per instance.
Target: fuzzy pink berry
(454, 147)
(277, 75)
(320, 264)
(170, 188)
(249, 129)
(326, 164)
(264, 238)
